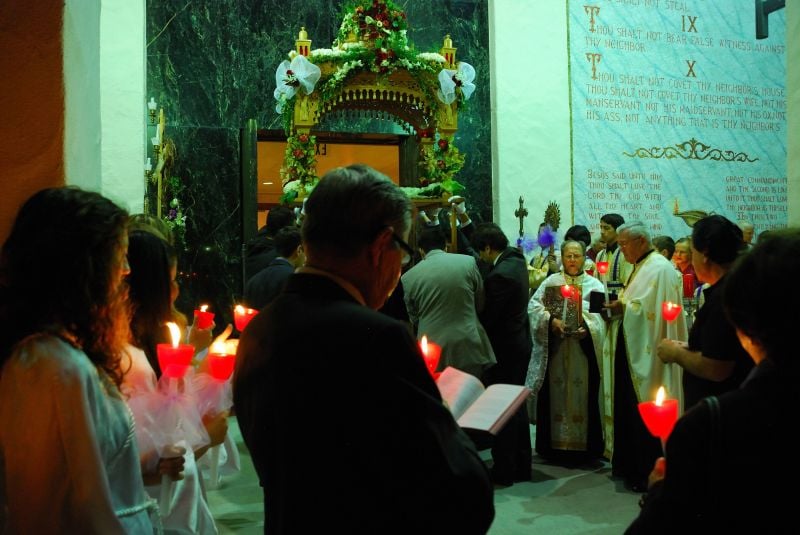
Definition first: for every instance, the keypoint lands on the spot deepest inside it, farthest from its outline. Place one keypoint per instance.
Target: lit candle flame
(220, 348)
(239, 309)
(175, 332)
(566, 291)
(203, 308)
(423, 344)
(602, 267)
(660, 395)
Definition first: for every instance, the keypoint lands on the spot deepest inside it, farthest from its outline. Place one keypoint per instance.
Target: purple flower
(173, 213)
(546, 237)
(526, 243)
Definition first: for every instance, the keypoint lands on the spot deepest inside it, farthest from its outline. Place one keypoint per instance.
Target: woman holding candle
(67, 464)
(565, 365)
(713, 359)
(151, 283)
(729, 458)
(197, 335)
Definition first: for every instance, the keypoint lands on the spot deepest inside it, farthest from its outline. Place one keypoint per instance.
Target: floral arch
(372, 66)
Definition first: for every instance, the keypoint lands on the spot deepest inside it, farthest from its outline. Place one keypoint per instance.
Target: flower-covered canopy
(373, 66)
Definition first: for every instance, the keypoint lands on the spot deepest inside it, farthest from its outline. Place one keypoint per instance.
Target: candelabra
(154, 175)
(151, 108)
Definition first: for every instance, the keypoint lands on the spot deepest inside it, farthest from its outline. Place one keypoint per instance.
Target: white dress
(189, 512)
(69, 461)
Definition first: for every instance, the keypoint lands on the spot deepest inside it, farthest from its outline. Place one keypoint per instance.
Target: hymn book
(477, 408)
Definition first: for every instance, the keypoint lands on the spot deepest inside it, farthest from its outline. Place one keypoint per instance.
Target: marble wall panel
(211, 66)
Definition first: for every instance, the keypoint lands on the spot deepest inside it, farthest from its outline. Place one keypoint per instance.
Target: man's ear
(378, 246)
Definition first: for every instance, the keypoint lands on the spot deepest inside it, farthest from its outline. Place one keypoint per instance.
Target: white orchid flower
(291, 76)
(449, 80)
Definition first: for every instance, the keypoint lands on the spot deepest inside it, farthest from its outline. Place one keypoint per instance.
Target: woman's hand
(669, 350)
(658, 472)
(217, 427)
(200, 338)
(169, 466)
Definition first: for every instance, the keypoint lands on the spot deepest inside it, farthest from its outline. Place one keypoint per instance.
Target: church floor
(558, 500)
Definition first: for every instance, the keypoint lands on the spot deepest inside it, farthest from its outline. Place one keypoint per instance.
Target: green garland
(371, 38)
(298, 173)
(440, 164)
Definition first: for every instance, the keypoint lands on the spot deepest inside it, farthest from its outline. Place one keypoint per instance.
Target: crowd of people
(80, 366)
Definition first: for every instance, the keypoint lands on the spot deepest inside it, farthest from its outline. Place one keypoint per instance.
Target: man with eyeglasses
(632, 371)
(333, 394)
(564, 370)
(618, 268)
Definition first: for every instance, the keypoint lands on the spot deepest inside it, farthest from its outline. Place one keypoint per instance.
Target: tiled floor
(559, 500)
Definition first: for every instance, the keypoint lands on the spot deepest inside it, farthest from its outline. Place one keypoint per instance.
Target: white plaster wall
(530, 111)
(82, 145)
(105, 104)
(793, 109)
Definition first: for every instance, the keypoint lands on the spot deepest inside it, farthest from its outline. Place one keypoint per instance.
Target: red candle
(670, 310)
(204, 317)
(566, 293)
(431, 353)
(688, 285)
(242, 316)
(220, 362)
(174, 359)
(660, 415)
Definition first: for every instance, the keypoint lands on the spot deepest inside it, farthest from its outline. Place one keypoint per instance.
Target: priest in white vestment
(565, 362)
(632, 372)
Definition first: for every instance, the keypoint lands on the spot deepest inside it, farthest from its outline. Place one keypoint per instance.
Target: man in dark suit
(260, 250)
(332, 394)
(505, 318)
(268, 283)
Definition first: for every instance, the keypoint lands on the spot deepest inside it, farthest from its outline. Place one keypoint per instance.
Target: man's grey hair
(574, 242)
(349, 207)
(635, 229)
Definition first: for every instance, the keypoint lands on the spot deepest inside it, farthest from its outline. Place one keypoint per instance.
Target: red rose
(440, 164)
(297, 153)
(443, 144)
(303, 138)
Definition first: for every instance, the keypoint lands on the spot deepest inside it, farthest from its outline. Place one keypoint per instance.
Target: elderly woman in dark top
(729, 458)
(713, 361)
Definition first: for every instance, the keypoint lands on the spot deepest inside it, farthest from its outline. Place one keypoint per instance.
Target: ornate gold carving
(691, 150)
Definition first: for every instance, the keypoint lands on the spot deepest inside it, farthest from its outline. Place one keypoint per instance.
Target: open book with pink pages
(478, 408)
